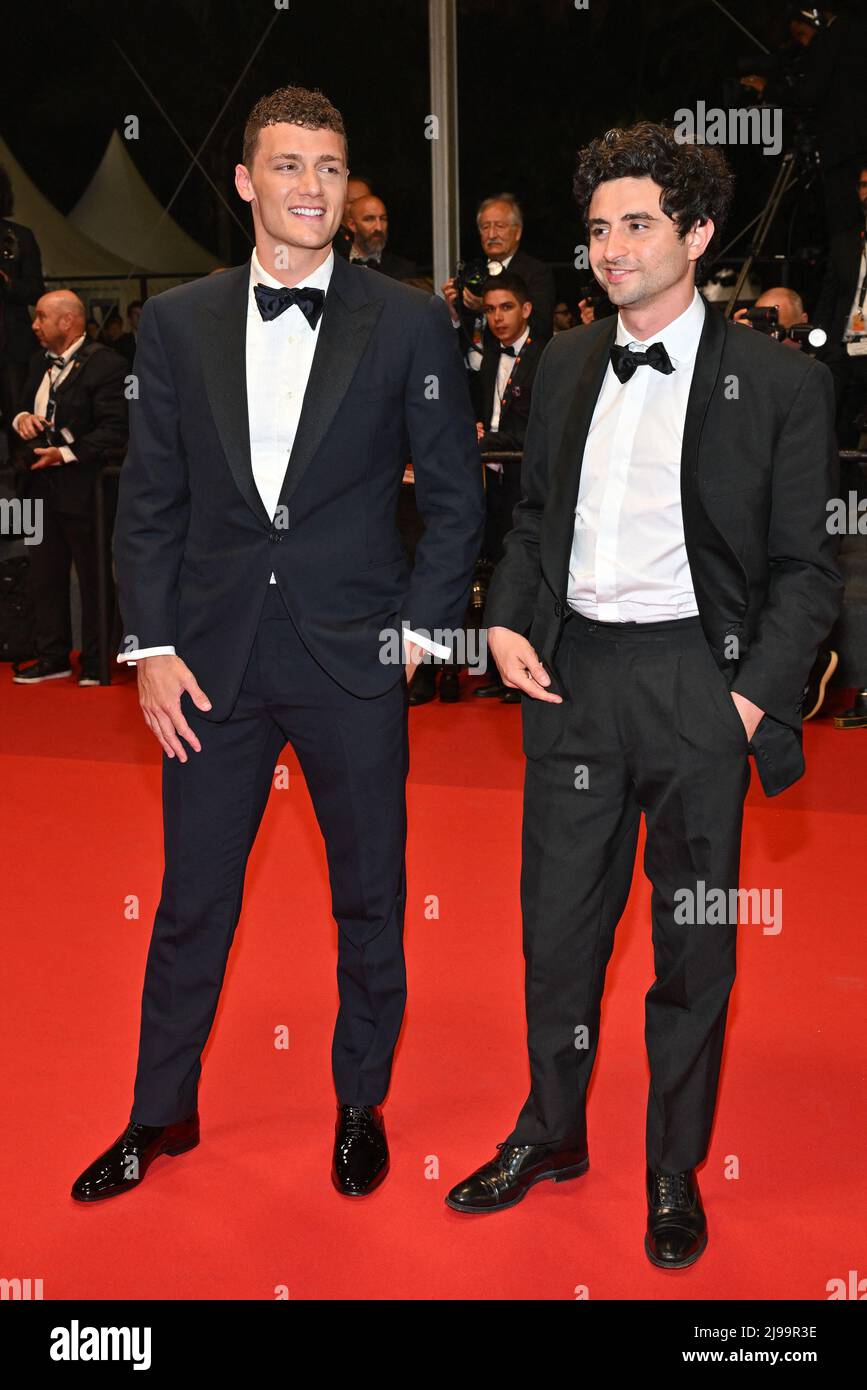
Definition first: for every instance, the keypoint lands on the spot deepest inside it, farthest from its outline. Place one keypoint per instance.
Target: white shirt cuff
(132, 657)
(67, 455)
(436, 648)
(17, 418)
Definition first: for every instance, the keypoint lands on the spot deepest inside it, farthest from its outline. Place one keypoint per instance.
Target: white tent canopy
(67, 253)
(118, 210)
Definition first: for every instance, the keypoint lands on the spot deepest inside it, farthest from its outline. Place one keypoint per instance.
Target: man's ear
(527, 308)
(243, 183)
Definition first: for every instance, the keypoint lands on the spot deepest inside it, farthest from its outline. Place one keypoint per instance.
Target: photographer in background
(790, 314)
(503, 393)
(73, 410)
(828, 85)
(842, 312)
(21, 284)
(501, 225)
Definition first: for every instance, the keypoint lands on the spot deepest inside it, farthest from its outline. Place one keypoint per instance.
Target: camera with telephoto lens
(472, 277)
(806, 335)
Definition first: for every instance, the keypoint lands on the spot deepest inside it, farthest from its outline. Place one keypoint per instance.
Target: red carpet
(252, 1208)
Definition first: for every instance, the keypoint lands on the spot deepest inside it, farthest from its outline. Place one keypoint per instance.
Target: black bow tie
(507, 351)
(625, 360)
(273, 302)
(52, 360)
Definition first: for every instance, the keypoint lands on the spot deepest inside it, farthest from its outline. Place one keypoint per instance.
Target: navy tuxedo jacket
(194, 545)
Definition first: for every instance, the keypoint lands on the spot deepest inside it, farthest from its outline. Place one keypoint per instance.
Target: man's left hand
(751, 715)
(47, 458)
(415, 656)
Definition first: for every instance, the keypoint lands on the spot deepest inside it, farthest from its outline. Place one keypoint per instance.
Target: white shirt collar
(70, 352)
(680, 338)
(319, 279)
(518, 344)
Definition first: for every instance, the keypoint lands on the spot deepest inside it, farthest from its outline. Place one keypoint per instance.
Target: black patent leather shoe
(123, 1166)
(507, 1178)
(676, 1225)
(39, 671)
(360, 1150)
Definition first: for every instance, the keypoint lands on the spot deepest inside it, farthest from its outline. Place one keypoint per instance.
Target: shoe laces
(671, 1189)
(356, 1119)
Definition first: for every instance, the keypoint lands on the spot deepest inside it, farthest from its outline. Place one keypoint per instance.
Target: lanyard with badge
(503, 396)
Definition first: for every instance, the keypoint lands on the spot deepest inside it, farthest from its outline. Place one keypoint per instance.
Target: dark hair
(7, 197)
(294, 106)
(133, 304)
(696, 180)
(508, 280)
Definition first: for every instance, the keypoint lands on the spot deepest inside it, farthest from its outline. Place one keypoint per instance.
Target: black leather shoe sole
(172, 1151)
(577, 1170)
(373, 1185)
(674, 1264)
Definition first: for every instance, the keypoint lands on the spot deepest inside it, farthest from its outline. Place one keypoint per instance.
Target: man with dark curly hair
(660, 603)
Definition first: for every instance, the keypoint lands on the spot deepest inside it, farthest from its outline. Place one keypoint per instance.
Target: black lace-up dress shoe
(507, 1178)
(360, 1150)
(123, 1166)
(676, 1225)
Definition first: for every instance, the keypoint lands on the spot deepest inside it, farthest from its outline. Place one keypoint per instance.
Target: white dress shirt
(54, 374)
(628, 560)
(279, 359)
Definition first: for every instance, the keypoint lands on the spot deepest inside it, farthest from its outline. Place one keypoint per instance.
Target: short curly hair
(696, 180)
(294, 106)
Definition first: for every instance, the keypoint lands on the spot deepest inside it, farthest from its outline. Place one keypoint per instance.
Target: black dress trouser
(354, 756)
(647, 724)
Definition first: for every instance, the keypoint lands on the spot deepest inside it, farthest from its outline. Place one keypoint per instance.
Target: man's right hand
(519, 665)
(28, 426)
(161, 682)
(450, 295)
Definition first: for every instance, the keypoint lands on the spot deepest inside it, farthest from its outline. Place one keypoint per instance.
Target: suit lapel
(348, 320)
(559, 520)
(224, 363)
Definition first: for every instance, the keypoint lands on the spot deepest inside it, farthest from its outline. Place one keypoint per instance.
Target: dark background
(536, 79)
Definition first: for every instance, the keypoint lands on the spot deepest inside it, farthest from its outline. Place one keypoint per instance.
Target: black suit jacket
(25, 287)
(194, 544)
(91, 404)
(397, 267)
(838, 289)
(515, 409)
(759, 463)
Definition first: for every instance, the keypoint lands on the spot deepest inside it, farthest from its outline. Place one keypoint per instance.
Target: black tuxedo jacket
(838, 290)
(91, 404)
(759, 463)
(194, 544)
(515, 409)
(25, 287)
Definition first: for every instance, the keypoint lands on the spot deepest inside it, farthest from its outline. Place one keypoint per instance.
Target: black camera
(47, 438)
(806, 335)
(472, 277)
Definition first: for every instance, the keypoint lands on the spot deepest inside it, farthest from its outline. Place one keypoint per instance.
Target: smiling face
(296, 186)
(635, 250)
